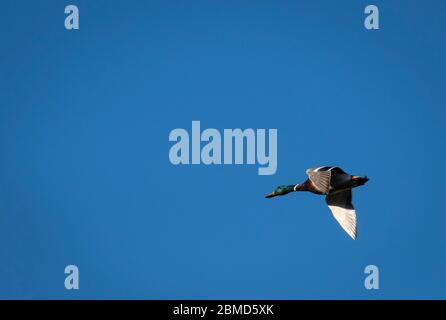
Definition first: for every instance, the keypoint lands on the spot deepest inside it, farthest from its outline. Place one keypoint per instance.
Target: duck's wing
(336, 170)
(340, 204)
(320, 177)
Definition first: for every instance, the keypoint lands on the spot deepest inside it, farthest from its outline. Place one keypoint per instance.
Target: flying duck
(336, 185)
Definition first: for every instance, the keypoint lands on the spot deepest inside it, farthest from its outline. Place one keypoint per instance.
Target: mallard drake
(336, 185)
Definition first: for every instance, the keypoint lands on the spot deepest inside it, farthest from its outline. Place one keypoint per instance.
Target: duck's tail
(359, 181)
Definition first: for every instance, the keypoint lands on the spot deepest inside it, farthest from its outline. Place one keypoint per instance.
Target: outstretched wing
(321, 177)
(340, 204)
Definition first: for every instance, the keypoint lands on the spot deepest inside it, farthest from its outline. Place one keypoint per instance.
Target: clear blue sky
(85, 176)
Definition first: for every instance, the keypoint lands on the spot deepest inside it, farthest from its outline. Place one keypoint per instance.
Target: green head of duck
(281, 191)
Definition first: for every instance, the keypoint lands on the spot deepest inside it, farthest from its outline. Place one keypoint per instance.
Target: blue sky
(85, 176)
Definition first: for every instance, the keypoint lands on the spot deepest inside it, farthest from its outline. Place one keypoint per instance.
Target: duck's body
(337, 186)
